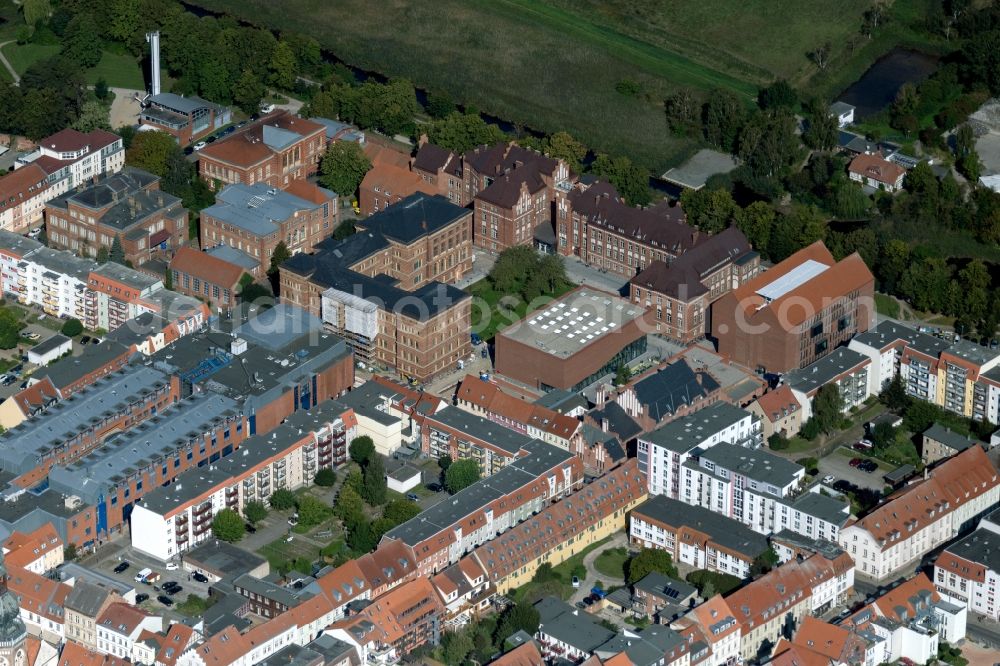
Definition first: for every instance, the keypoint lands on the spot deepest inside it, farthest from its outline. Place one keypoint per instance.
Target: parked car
(122, 567)
(35, 233)
(843, 486)
(165, 600)
(856, 461)
(176, 589)
(200, 577)
(828, 479)
(200, 145)
(861, 446)
(250, 529)
(142, 596)
(32, 335)
(871, 466)
(576, 581)
(85, 340)
(434, 487)
(171, 566)
(142, 576)
(581, 605)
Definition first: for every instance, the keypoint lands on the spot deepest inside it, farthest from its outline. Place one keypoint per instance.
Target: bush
(282, 500)
(326, 477)
(72, 328)
(777, 442)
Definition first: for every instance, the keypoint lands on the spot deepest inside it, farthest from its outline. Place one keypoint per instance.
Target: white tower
(154, 52)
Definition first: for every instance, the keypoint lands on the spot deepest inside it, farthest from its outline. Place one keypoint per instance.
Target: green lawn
(611, 563)
(119, 71)
(887, 305)
(488, 301)
(23, 56)
(280, 551)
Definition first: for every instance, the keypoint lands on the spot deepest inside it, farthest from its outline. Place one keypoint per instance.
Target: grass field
(119, 71)
(554, 64)
(23, 56)
(611, 563)
(887, 305)
(499, 318)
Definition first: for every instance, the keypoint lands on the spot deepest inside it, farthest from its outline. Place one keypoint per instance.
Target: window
(816, 330)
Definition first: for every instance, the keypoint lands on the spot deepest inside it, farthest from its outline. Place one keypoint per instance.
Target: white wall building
(120, 625)
(968, 571)
(662, 452)
(70, 158)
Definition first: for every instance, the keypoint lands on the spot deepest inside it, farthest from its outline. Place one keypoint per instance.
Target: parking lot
(838, 464)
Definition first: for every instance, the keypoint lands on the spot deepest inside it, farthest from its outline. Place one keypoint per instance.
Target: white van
(141, 576)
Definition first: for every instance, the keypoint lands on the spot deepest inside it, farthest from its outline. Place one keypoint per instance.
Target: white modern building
(844, 368)
(70, 158)
(663, 452)
(968, 571)
(173, 519)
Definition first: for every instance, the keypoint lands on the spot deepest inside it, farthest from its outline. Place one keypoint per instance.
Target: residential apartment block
(663, 452)
(383, 289)
(120, 626)
(128, 206)
(923, 515)
(962, 377)
(563, 529)
(968, 570)
(463, 435)
(797, 312)
(443, 533)
(940, 442)
(696, 536)
(681, 292)
(254, 219)
(173, 519)
(70, 158)
(844, 368)
(23, 194)
(793, 590)
(275, 151)
(779, 412)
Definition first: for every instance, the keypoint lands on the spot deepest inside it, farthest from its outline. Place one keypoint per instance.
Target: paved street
(580, 273)
(619, 540)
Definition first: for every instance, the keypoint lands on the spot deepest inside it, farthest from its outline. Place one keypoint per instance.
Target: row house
(41, 601)
(664, 394)
(760, 490)
(696, 536)
(119, 628)
(384, 290)
(443, 533)
(39, 551)
(128, 206)
(84, 605)
(274, 151)
(713, 624)
(465, 590)
(82, 422)
(23, 194)
(486, 399)
(924, 515)
(767, 606)
(962, 377)
(594, 223)
(843, 368)
(663, 452)
(832, 643)
(255, 219)
(909, 622)
(968, 571)
(178, 517)
(561, 530)
(463, 435)
(196, 431)
(797, 312)
(71, 158)
(681, 292)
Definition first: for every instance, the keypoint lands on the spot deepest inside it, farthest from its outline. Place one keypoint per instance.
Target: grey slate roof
(724, 531)
(87, 598)
(509, 440)
(825, 370)
(562, 400)
(756, 464)
(672, 388)
(981, 547)
(619, 422)
(258, 208)
(53, 343)
(818, 505)
(444, 514)
(949, 438)
(561, 621)
(888, 332)
(688, 432)
(180, 103)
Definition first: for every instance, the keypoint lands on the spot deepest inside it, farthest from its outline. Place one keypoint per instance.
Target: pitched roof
(779, 403)
(526, 654)
(394, 181)
(206, 267)
(259, 140)
(789, 654)
(71, 140)
(699, 526)
(74, 654)
(87, 598)
(22, 184)
(661, 226)
(311, 192)
(432, 158)
(490, 398)
(23, 549)
(833, 642)
(178, 637)
(954, 482)
(903, 601)
(671, 388)
(121, 618)
(813, 278)
(38, 594)
(507, 189)
(875, 167)
(682, 279)
(384, 155)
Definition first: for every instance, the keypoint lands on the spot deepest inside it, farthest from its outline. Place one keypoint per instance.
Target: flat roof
(574, 322)
(824, 507)
(686, 433)
(223, 559)
(825, 370)
(52, 344)
(259, 208)
(973, 352)
(888, 332)
(792, 280)
(755, 464)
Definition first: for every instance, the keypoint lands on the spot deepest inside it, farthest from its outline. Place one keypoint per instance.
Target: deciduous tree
(228, 526)
(254, 512)
(343, 167)
(362, 449)
(460, 475)
(648, 560)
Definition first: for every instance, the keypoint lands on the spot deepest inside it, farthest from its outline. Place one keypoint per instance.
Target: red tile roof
(179, 637)
(38, 594)
(876, 168)
(26, 548)
(311, 192)
(390, 180)
(833, 642)
(523, 655)
(71, 140)
(74, 654)
(779, 403)
(246, 147)
(206, 267)
(488, 397)
(22, 184)
(122, 618)
(954, 482)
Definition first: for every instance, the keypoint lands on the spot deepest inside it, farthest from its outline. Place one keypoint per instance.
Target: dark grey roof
(831, 509)
(279, 327)
(414, 217)
(724, 531)
(825, 370)
(52, 344)
(562, 400)
(126, 197)
(899, 474)
(612, 446)
(948, 437)
(234, 256)
(673, 387)
(981, 547)
(826, 548)
(571, 626)
(888, 332)
(682, 278)
(756, 464)
(668, 588)
(541, 458)
(973, 352)
(618, 420)
(222, 559)
(687, 433)
(267, 590)
(509, 440)
(87, 598)
(258, 209)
